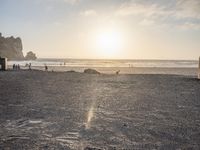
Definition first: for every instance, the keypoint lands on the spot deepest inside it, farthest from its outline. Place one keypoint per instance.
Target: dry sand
(52, 110)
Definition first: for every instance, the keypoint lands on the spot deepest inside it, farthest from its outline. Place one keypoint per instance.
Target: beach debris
(91, 71)
(125, 125)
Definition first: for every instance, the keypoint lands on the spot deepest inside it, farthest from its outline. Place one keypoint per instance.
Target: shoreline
(123, 70)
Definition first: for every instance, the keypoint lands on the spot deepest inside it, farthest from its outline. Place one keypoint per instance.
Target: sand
(52, 110)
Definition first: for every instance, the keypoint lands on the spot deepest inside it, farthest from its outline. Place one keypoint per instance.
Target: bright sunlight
(109, 43)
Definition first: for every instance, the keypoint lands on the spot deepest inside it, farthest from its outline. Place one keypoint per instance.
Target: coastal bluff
(11, 48)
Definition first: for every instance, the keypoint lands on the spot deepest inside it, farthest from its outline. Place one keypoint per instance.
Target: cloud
(71, 1)
(189, 25)
(141, 9)
(146, 22)
(89, 12)
(188, 9)
(182, 11)
(65, 1)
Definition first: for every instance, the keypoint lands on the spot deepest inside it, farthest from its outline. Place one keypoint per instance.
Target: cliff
(11, 48)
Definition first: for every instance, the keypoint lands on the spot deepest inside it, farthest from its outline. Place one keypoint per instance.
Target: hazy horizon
(106, 29)
(60, 58)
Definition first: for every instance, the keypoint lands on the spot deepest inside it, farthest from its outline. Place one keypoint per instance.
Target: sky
(99, 29)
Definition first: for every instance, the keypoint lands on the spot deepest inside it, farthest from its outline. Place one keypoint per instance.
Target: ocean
(180, 67)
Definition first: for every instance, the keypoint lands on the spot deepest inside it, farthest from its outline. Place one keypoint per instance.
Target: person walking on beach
(46, 67)
(13, 66)
(199, 69)
(18, 67)
(29, 66)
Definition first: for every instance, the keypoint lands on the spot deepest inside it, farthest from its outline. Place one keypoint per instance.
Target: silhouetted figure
(117, 72)
(29, 66)
(46, 68)
(13, 66)
(199, 69)
(18, 67)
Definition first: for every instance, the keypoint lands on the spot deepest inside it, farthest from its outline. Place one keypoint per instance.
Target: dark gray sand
(51, 110)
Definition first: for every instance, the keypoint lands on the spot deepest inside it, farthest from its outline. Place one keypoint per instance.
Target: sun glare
(108, 43)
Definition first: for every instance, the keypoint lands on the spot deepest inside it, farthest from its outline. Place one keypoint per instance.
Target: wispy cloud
(185, 11)
(71, 1)
(147, 22)
(65, 1)
(189, 25)
(151, 10)
(188, 9)
(89, 12)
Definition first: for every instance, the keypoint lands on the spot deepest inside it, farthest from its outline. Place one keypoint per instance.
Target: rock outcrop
(30, 56)
(11, 48)
(91, 71)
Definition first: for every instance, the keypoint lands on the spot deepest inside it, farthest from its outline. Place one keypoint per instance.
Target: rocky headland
(12, 48)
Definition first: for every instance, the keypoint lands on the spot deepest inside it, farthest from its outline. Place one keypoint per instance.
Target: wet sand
(52, 110)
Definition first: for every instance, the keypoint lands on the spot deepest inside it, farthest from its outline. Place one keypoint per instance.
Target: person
(13, 66)
(29, 66)
(46, 67)
(117, 72)
(18, 67)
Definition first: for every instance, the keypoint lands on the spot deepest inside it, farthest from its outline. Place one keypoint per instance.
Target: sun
(109, 43)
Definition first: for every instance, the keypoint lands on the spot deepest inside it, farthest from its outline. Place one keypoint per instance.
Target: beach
(73, 110)
(109, 66)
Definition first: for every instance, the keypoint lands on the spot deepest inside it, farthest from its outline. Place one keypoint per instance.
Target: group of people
(16, 67)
